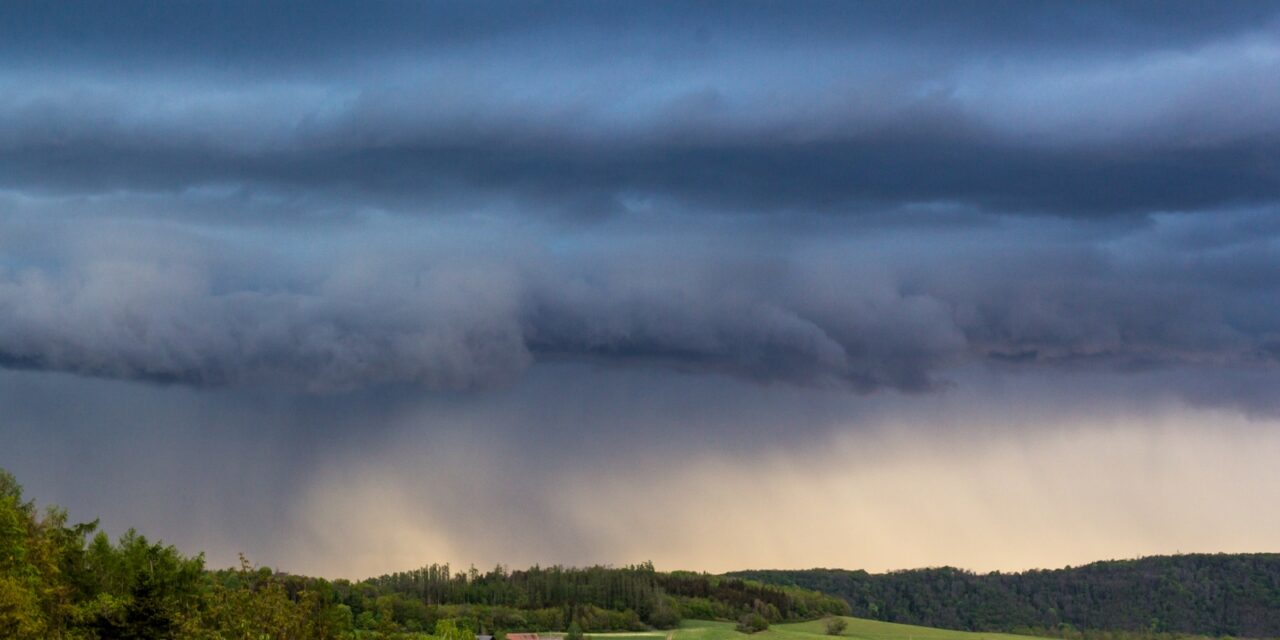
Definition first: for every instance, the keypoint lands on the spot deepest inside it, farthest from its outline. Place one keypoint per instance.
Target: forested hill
(1218, 595)
(598, 598)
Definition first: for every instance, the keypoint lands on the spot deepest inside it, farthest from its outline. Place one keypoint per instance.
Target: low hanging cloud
(134, 320)
(466, 311)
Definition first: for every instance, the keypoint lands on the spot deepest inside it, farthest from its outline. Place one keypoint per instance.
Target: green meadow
(858, 628)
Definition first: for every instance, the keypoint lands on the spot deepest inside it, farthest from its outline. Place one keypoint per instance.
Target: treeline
(58, 583)
(596, 598)
(1201, 594)
(61, 581)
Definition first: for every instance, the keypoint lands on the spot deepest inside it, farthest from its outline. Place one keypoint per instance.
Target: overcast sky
(354, 287)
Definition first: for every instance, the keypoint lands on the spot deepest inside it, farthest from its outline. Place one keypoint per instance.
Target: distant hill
(1205, 594)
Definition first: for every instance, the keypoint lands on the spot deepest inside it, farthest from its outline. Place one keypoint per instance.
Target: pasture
(858, 629)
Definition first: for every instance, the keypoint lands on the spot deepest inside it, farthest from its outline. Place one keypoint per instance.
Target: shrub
(752, 623)
(835, 626)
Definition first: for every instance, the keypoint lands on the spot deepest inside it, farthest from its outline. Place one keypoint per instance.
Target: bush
(835, 626)
(752, 623)
(665, 615)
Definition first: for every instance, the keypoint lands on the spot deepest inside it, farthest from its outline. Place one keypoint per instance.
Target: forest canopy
(70, 581)
(1204, 594)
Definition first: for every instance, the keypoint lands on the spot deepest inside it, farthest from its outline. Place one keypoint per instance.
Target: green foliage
(448, 629)
(57, 584)
(666, 614)
(249, 603)
(1207, 594)
(834, 626)
(599, 599)
(140, 590)
(752, 623)
(38, 566)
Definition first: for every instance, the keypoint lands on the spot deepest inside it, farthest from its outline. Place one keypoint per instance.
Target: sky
(356, 287)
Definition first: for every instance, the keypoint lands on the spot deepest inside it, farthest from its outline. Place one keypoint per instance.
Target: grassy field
(876, 630)
(858, 629)
(631, 635)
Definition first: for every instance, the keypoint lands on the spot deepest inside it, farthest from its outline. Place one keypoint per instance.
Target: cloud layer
(837, 109)
(701, 189)
(459, 308)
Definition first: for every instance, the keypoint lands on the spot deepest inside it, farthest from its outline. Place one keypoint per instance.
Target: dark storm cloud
(283, 36)
(837, 107)
(462, 309)
(829, 176)
(1073, 185)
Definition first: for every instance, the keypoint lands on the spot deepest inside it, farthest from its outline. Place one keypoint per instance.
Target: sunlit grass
(857, 629)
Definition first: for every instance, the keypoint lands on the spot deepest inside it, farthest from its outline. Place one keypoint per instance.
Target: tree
(449, 629)
(21, 610)
(752, 623)
(144, 590)
(575, 631)
(665, 615)
(835, 626)
(40, 566)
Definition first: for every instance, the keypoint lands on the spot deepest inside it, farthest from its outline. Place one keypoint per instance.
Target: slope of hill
(860, 628)
(1218, 595)
(597, 598)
